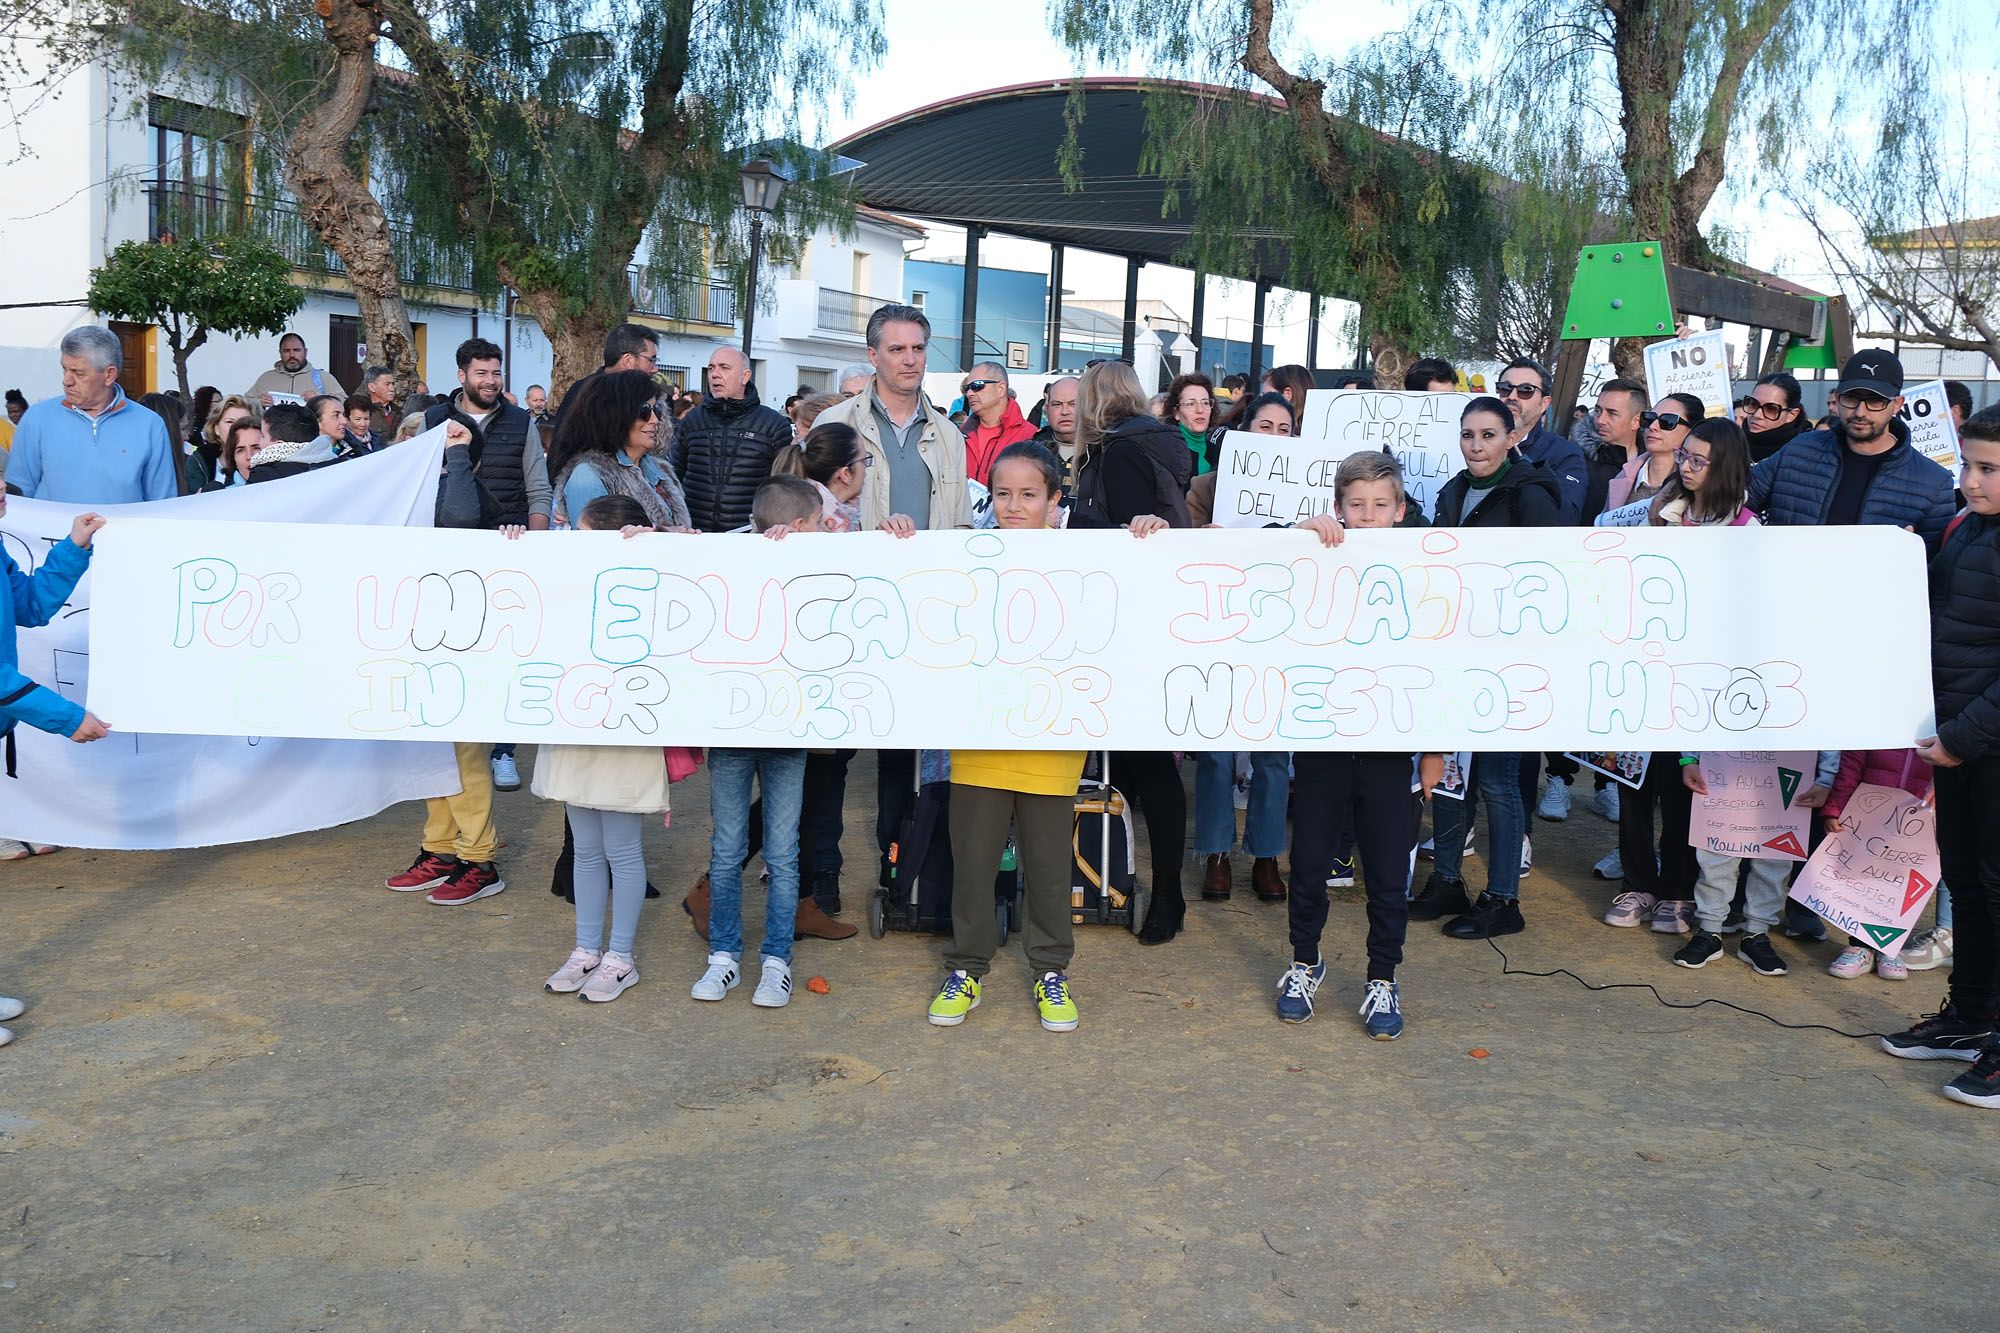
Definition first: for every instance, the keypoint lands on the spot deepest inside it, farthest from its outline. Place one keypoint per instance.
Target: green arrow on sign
(1882, 935)
(1788, 784)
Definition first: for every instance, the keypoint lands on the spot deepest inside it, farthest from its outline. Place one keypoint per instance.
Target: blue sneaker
(1296, 990)
(1381, 1011)
(1343, 873)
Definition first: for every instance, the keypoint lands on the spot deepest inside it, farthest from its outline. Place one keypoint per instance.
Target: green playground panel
(1620, 291)
(1801, 355)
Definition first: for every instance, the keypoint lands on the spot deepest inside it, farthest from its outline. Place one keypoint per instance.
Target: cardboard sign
(1927, 412)
(1749, 810)
(1873, 874)
(1635, 515)
(1622, 766)
(1697, 364)
(1420, 429)
(1457, 775)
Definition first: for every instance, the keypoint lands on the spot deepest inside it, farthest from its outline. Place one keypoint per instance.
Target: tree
(232, 285)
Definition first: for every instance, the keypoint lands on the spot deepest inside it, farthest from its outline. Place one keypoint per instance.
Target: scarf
(665, 505)
(1197, 444)
(1488, 483)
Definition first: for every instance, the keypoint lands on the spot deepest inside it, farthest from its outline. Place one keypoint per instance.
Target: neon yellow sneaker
(958, 997)
(1052, 998)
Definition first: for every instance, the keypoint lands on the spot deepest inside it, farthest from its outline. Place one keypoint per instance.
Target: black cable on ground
(1507, 969)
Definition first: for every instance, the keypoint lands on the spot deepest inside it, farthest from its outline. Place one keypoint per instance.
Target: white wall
(828, 262)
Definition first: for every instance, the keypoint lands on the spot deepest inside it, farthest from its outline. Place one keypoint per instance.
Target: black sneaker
(1942, 1036)
(1979, 1085)
(1489, 917)
(1756, 950)
(1441, 897)
(1697, 951)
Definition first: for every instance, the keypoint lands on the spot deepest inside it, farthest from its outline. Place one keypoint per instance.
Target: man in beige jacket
(916, 457)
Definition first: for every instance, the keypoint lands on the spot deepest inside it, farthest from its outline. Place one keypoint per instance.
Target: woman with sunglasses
(1775, 416)
(1661, 432)
(605, 447)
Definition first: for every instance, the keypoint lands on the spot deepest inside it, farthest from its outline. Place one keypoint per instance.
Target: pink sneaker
(1853, 961)
(1630, 908)
(1891, 969)
(1674, 916)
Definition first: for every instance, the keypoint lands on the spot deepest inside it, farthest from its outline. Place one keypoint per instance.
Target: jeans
(610, 863)
(1944, 907)
(1371, 794)
(1763, 891)
(1968, 829)
(1215, 805)
(1674, 880)
(1496, 779)
(780, 776)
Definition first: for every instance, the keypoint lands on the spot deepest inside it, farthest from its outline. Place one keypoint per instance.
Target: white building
(106, 158)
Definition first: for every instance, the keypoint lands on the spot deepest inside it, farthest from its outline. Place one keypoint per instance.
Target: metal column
(1130, 329)
(1054, 358)
(1195, 319)
(1312, 335)
(1257, 335)
(969, 301)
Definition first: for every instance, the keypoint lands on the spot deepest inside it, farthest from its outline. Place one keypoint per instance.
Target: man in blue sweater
(93, 445)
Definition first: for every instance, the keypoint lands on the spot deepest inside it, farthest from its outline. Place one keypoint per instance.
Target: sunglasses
(1526, 390)
(650, 412)
(1108, 361)
(1667, 420)
(1692, 462)
(974, 386)
(1859, 398)
(1768, 411)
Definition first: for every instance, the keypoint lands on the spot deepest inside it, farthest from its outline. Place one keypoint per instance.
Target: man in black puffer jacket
(723, 449)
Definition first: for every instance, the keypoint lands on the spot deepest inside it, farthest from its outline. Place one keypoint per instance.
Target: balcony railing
(847, 312)
(683, 296)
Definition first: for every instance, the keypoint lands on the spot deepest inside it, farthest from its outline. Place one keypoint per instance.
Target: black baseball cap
(1872, 372)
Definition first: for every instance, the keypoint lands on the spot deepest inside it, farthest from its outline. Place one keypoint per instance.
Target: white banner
(1524, 639)
(1697, 364)
(1927, 412)
(1420, 429)
(135, 792)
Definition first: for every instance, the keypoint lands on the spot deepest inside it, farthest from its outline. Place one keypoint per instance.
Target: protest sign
(1927, 412)
(1697, 364)
(1457, 775)
(1622, 766)
(1873, 874)
(1420, 429)
(1635, 515)
(136, 792)
(1523, 639)
(1750, 810)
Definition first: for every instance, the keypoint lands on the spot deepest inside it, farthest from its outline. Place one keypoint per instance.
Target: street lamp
(762, 188)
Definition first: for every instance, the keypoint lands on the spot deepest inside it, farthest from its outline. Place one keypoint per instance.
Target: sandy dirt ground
(255, 1090)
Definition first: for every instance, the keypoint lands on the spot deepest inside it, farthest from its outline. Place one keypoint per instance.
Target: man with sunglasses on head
(1525, 387)
(993, 418)
(1773, 415)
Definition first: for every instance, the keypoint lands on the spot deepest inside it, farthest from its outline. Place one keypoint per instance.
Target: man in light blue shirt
(93, 445)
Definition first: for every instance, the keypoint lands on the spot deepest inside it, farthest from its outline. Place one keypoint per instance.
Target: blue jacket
(119, 456)
(33, 601)
(1793, 487)
(1965, 638)
(1563, 461)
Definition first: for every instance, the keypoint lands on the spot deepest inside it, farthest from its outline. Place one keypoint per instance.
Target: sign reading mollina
(1509, 640)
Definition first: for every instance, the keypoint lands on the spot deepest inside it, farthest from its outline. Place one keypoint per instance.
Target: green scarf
(1198, 446)
(1488, 483)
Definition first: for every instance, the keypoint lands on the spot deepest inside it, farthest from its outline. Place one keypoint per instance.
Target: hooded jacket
(1560, 457)
(31, 601)
(1526, 497)
(1965, 637)
(722, 453)
(1141, 466)
(984, 443)
(304, 384)
(1795, 486)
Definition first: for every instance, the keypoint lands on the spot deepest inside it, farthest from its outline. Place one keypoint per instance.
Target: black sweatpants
(1968, 827)
(1150, 781)
(1329, 789)
(1662, 790)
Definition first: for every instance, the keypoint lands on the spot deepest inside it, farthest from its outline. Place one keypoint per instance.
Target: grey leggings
(610, 862)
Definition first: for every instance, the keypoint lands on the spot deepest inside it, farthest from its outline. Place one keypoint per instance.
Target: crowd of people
(624, 452)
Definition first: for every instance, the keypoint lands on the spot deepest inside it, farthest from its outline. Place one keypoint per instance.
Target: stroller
(918, 895)
(1104, 889)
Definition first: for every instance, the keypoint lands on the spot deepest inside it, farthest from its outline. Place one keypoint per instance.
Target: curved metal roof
(989, 159)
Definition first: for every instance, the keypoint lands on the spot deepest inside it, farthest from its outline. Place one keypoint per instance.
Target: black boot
(1489, 917)
(1163, 919)
(1441, 897)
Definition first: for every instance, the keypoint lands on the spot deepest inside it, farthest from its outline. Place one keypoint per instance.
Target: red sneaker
(474, 880)
(426, 872)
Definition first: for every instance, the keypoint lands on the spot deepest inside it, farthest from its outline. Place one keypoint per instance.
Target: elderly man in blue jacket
(93, 445)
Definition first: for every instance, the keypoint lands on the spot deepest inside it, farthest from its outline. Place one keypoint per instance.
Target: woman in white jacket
(610, 791)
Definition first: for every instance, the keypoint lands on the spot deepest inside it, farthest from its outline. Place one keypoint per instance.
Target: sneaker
(1343, 874)
(1489, 917)
(1851, 962)
(1605, 802)
(722, 977)
(11, 1009)
(1611, 867)
(1440, 897)
(1891, 969)
(1932, 949)
(1555, 802)
(506, 774)
(1630, 908)
(1673, 916)
(1527, 855)
(14, 850)
(1756, 950)
(611, 979)
(6, 1035)
(568, 979)
(474, 880)
(1942, 1036)
(1471, 842)
(1698, 951)
(1382, 1011)
(1053, 1002)
(1801, 923)
(1296, 990)
(955, 999)
(1979, 1085)
(426, 872)
(1428, 849)
(774, 985)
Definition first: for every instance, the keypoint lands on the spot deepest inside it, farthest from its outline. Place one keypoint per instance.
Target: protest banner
(137, 792)
(1873, 874)
(1927, 412)
(1420, 429)
(1749, 809)
(1627, 767)
(1697, 364)
(1523, 639)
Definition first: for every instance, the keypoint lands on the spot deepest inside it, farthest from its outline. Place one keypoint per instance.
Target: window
(676, 375)
(197, 175)
(861, 283)
(815, 379)
(917, 299)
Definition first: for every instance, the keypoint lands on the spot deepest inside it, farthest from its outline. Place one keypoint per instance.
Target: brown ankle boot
(696, 906)
(1215, 883)
(1266, 881)
(811, 920)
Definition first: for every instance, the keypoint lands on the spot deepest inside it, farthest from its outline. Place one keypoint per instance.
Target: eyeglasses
(866, 461)
(1197, 401)
(1692, 462)
(974, 386)
(1666, 420)
(1874, 402)
(1768, 411)
(1526, 389)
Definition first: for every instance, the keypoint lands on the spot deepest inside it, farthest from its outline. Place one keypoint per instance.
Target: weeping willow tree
(547, 146)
